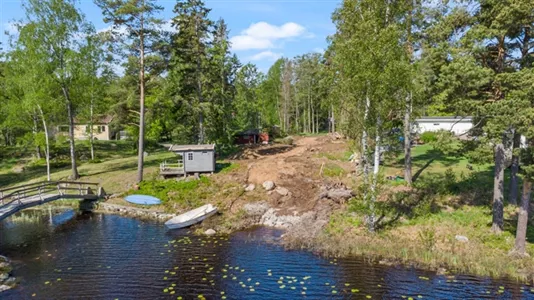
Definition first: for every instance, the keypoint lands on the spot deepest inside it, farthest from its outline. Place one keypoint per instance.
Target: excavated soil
(296, 168)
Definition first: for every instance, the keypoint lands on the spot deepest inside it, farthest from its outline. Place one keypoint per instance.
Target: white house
(456, 125)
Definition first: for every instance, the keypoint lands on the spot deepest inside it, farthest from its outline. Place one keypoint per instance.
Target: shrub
(428, 137)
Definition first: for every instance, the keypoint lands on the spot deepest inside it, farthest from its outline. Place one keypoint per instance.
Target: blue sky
(261, 31)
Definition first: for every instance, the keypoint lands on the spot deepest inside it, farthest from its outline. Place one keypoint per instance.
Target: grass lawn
(115, 168)
(427, 160)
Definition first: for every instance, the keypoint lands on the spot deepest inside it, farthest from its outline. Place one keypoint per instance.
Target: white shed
(456, 125)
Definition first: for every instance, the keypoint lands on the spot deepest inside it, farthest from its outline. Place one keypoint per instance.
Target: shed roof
(180, 148)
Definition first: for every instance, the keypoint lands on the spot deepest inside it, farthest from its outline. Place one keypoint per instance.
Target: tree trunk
(522, 219)
(141, 147)
(498, 190)
(35, 131)
(70, 114)
(91, 133)
(408, 140)
(374, 185)
(47, 144)
(333, 119)
(514, 169)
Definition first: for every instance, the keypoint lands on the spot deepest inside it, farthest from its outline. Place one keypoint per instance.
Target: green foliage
(170, 192)
(428, 137)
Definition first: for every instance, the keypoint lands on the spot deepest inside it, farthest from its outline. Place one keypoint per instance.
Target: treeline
(181, 85)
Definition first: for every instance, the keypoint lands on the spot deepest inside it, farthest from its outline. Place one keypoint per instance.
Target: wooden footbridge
(15, 199)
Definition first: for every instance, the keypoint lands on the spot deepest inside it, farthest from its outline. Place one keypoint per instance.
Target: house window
(189, 156)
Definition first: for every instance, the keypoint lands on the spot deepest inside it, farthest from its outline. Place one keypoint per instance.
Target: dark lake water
(68, 256)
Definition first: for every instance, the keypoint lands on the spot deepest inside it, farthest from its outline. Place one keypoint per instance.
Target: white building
(456, 125)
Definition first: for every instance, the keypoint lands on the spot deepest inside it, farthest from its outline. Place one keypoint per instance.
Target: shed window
(189, 156)
(436, 124)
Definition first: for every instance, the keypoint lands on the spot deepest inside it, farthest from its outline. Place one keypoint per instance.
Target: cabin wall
(458, 128)
(199, 161)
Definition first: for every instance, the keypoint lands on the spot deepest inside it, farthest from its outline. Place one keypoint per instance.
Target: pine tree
(135, 29)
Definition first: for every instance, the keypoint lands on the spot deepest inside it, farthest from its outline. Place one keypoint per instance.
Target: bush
(428, 137)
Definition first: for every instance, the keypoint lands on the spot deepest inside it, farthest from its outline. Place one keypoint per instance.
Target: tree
(371, 72)
(135, 27)
(58, 24)
(190, 44)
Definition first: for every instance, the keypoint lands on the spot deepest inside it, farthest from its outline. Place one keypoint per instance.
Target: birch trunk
(91, 133)
(47, 144)
(70, 114)
(498, 189)
(376, 167)
(333, 119)
(408, 140)
(34, 131)
(141, 146)
(522, 219)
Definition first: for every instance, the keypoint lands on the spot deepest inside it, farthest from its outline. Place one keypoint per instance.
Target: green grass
(333, 170)
(343, 156)
(177, 194)
(428, 242)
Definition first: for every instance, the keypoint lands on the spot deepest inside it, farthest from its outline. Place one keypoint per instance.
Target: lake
(63, 255)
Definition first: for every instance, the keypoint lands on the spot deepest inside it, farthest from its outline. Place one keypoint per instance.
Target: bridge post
(88, 205)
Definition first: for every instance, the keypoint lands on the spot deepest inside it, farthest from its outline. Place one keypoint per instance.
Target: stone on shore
(282, 191)
(461, 238)
(256, 209)
(250, 188)
(210, 232)
(4, 288)
(268, 185)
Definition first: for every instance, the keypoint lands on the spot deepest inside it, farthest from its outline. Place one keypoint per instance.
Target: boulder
(4, 288)
(256, 209)
(210, 232)
(282, 191)
(250, 188)
(268, 185)
(461, 238)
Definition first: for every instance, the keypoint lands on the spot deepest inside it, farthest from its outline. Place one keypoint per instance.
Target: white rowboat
(191, 217)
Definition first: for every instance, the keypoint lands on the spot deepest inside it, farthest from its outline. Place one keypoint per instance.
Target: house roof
(249, 132)
(103, 119)
(180, 148)
(445, 119)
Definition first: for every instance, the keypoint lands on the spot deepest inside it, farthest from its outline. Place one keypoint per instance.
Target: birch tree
(58, 28)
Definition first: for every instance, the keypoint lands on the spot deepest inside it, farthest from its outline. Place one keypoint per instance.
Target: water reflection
(98, 256)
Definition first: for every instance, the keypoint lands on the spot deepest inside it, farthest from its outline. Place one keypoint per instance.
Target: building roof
(180, 148)
(249, 132)
(103, 119)
(445, 119)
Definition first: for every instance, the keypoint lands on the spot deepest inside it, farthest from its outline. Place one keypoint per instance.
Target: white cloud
(318, 50)
(266, 55)
(263, 35)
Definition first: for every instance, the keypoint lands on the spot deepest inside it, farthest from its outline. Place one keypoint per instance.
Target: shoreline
(306, 232)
